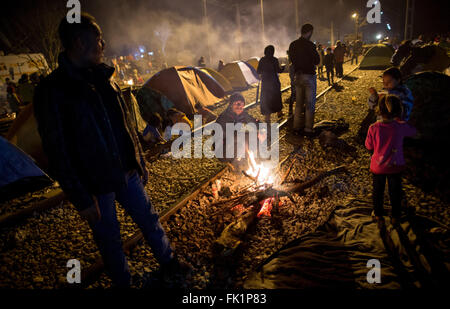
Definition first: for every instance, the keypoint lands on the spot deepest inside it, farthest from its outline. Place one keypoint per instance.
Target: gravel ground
(34, 254)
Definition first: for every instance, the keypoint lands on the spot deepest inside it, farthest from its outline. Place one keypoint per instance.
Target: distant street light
(379, 36)
(355, 17)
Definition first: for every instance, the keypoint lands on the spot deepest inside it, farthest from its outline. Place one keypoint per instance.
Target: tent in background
(186, 87)
(222, 80)
(377, 57)
(136, 117)
(18, 173)
(253, 62)
(240, 74)
(152, 101)
(24, 134)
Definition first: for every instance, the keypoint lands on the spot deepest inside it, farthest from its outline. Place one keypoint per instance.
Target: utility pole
(409, 20)
(332, 34)
(205, 22)
(297, 26)
(263, 36)
(239, 33)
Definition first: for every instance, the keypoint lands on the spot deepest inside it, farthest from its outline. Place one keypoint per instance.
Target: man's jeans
(135, 201)
(305, 88)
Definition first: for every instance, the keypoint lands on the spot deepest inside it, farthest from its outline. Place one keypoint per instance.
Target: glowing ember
(259, 171)
(130, 82)
(266, 207)
(238, 209)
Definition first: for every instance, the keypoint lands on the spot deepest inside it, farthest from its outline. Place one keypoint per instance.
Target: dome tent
(377, 57)
(186, 87)
(240, 74)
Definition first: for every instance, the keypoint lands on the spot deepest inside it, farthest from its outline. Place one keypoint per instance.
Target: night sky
(127, 24)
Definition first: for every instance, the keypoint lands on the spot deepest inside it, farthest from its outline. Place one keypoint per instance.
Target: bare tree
(36, 30)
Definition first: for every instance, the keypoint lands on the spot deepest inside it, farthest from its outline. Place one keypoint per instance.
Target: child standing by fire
(385, 139)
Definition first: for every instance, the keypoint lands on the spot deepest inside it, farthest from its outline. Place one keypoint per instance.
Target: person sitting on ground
(385, 139)
(151, 133)
(174, 116)
(392, 82)
(234, 114)
(329, 61)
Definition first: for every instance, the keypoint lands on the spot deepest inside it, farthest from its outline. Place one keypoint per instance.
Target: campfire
(259, 199)
(260, 173)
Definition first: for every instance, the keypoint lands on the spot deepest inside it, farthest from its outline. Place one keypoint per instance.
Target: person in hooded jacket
(268, 69)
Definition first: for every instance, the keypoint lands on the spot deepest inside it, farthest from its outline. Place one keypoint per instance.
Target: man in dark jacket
(339, 54)
(93, 148)
(304, 57)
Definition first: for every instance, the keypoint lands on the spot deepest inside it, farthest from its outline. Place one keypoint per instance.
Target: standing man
(339, 54)
(93, 148)
(304, 57)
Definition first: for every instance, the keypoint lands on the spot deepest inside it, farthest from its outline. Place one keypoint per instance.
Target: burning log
(231, 237)
(299, 188)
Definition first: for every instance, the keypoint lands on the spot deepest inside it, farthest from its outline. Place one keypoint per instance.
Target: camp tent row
(180, 87)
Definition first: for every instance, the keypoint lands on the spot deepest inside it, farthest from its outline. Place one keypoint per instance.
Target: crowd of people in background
(20, 93)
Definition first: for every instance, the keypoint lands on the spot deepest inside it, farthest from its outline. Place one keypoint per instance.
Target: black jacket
(329, 61)
(77, 134)
(304, 56)
(228, 116)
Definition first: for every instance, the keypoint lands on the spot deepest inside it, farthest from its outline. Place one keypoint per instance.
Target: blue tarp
(15, 164)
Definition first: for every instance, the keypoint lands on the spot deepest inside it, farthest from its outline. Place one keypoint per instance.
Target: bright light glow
(259, 171)
(375, 2)
(379, 36)
(142, 56)
(142, 49)
(388, 26)
(354, 15)
(130, 82)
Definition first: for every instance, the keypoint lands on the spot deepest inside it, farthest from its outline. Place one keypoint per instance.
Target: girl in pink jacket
(385, 139)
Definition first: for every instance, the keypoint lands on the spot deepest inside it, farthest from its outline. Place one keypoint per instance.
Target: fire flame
(266, 207)
(259, 171)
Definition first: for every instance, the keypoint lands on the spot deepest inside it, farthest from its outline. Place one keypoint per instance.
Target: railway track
(91, 274)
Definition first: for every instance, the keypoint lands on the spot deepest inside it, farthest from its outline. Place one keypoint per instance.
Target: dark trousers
(395, 193)
(330, 72)
(339, 69)
(136, 203)
(320, 71)
(354, 57)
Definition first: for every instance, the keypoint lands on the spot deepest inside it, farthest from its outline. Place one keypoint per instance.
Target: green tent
(377, 57)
